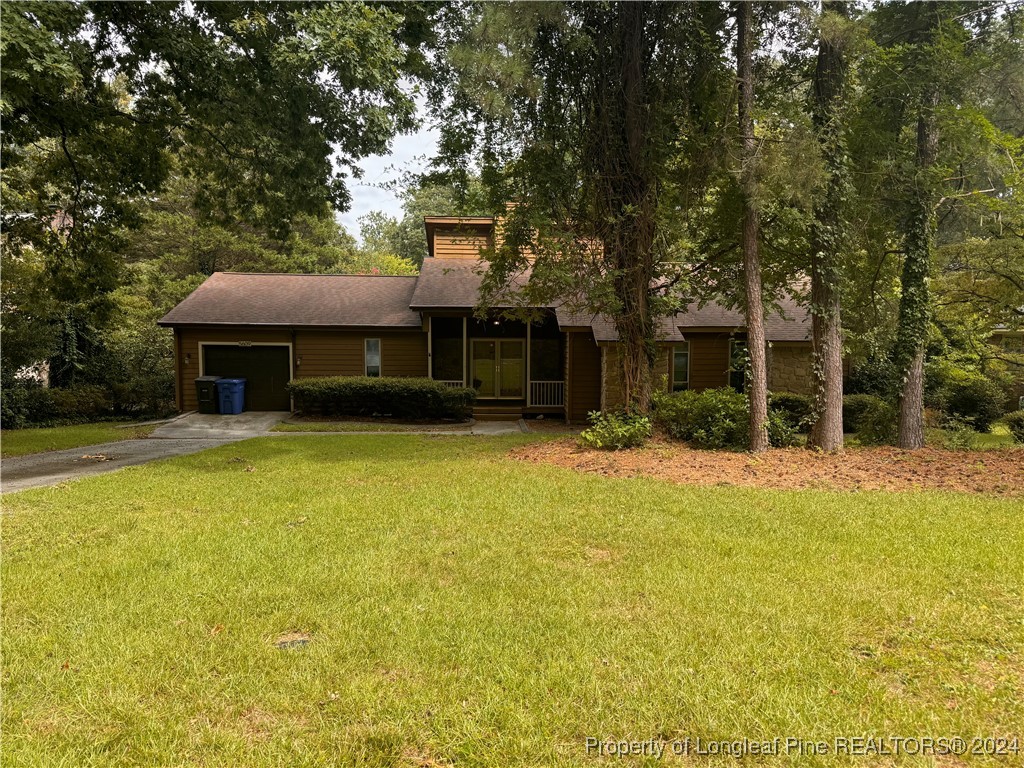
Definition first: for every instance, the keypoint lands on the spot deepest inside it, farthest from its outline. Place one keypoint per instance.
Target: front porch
(517, 368)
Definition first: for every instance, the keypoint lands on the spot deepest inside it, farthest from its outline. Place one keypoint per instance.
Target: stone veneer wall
(791, 369)
(611, 386)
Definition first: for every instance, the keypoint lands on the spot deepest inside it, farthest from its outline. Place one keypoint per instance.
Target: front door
(498, 367)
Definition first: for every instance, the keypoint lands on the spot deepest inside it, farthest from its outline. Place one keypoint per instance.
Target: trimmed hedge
(399, 398)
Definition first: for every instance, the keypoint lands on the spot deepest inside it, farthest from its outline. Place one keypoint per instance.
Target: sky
(408, 153)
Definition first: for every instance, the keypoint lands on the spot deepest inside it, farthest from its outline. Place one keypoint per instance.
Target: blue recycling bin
(231, 395)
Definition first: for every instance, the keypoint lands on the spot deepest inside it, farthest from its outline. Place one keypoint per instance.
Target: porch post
(430, 346)
(529, 370)
(465, 351)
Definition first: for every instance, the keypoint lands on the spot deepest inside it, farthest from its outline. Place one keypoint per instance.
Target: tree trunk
(630, 200)
(914, 304)
(757, 386)
(828, 243)
(911, 426)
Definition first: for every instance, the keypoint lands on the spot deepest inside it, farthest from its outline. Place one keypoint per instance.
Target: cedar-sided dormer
(458, 237)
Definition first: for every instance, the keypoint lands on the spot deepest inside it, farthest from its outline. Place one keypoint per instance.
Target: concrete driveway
(187, 434)
(208, 426)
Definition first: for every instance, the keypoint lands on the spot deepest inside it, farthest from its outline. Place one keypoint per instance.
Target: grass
(464, 608)
(999, 437)
(364, 426)
(19, 442)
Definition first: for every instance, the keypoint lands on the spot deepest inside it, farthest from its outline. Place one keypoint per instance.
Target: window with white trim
(681, 367)
(371, 357)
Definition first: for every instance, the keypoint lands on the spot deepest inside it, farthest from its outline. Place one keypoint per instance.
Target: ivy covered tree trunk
(914, 303)
(828, 237)
(757, 384)
(628, 202)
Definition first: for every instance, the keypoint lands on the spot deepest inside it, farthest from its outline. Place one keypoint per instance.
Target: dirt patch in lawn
(998, 472)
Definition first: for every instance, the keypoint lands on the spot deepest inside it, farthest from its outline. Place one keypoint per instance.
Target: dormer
(458, 237)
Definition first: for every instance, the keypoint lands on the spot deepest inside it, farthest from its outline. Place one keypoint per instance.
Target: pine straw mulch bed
(997, 472)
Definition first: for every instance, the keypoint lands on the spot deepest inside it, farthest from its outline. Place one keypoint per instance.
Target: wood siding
(459, 244)
(584, 386)
(314, 353)
(340, 353)
(709, 360)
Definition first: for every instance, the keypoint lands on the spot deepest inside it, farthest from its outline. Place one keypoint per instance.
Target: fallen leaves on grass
(1000, 473)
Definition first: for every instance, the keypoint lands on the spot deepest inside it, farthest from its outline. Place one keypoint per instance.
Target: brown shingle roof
(451, 284)
(231, 298)
(792, 325)
(604, 327)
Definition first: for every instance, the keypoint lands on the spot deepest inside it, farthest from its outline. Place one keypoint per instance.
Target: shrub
(32, 405)
(1015, 423)
(87, 402)
(381, 396)
(14, 407)
(973, 399)
(878, 423)
(794, 409)
(959, 436)
(615, 431)
(714, 418)
(780, 433)
(854, 407)
(878, 375)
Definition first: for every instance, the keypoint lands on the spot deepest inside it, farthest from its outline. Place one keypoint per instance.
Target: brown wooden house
(271, 328)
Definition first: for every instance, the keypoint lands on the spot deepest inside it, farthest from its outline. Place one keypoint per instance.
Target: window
(371, 357)
(738, 365)
(681, 367)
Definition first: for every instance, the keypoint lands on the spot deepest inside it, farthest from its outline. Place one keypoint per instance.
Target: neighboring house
(270, 328)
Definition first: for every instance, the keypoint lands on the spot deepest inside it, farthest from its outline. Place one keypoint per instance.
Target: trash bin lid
(207, 378)
(231, 381)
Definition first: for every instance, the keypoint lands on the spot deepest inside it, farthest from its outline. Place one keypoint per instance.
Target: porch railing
(450, 384)
(547, 393)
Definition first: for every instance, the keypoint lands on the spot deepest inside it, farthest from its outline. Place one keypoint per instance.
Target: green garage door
(266, 371)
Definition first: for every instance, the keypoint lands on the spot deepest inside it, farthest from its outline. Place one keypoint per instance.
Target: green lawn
(464, 608)
(18, 442)
(999, 437)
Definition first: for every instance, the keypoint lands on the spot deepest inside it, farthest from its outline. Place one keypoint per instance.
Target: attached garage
(268, 329)
(266, 369)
